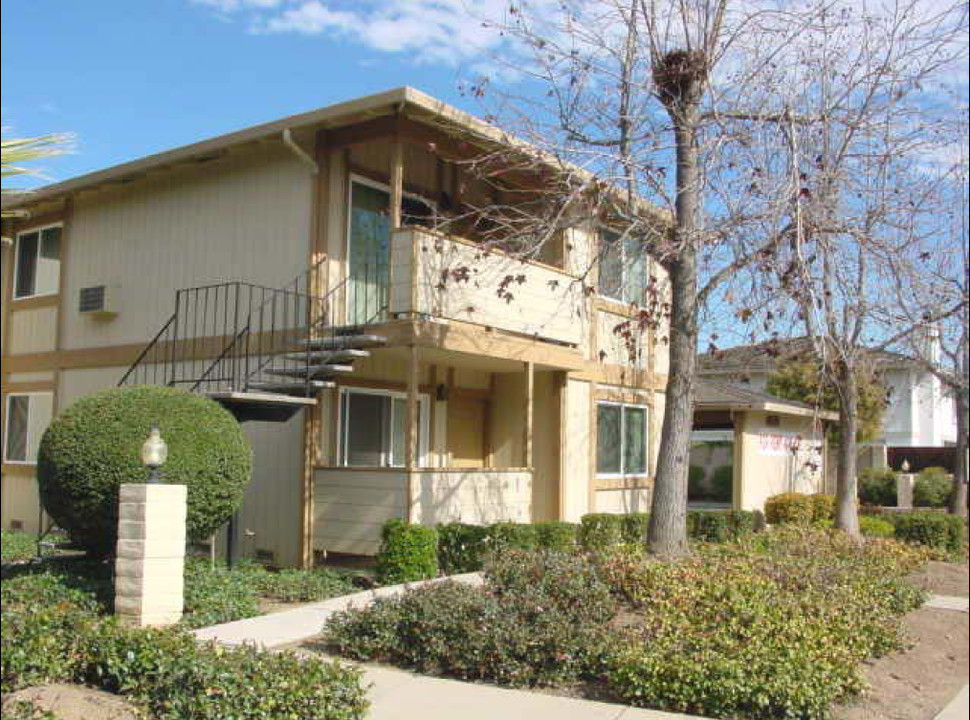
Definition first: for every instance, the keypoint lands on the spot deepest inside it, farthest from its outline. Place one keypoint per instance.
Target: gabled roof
(408, 101)
(715, 395)
(330, 116)
(762, 357)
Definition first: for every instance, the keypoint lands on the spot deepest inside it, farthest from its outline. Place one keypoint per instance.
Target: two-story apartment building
(386, 361)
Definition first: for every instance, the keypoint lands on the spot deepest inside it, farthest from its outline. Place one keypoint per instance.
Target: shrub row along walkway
(399, 694)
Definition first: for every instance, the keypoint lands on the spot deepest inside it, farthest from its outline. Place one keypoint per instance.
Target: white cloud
(447, 32)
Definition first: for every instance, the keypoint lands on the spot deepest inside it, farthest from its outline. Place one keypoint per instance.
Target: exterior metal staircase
(264, 353)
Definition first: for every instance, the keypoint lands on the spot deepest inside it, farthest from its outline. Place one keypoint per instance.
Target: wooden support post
(412, 420)
(396, 174)
(527, 434)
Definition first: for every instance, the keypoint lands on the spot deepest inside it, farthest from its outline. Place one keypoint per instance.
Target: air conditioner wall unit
(99, 301)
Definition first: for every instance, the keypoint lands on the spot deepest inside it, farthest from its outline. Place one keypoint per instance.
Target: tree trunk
(846, 498)
(667, 534)
(958, 498)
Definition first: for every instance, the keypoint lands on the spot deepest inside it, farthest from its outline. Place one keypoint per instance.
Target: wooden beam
(396, 174)
(411, 425)
(529, 368)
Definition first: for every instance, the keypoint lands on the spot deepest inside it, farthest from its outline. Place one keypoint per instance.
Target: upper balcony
(432, 275)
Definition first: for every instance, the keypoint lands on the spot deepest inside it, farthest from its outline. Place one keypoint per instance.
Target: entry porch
(433, 436)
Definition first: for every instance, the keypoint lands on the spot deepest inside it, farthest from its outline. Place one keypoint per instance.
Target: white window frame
(16, 261)
(646, 429)
(27, 435)
(600, 229)
(423, 421)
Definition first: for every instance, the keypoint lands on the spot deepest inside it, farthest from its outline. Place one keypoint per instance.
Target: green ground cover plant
(16, 545)
(52, 632)
(769, 625)
(213, 594)
(540, 620)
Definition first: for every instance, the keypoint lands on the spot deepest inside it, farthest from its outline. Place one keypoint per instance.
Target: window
(621, 439)
(27, 416)
(372, 428)
(623, 268)
(38, 262)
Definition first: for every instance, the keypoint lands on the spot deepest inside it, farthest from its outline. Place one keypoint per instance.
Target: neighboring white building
(920, 413)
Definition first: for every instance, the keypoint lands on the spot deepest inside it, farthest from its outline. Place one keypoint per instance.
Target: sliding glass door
(368, 253)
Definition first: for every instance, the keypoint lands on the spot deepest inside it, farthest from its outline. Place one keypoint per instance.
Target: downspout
(302, 154)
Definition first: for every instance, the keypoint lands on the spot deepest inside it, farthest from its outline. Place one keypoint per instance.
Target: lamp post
(154, 452)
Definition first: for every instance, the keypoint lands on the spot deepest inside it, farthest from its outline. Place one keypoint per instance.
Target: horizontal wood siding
(352, 506)
(547, 303)
(242, 217)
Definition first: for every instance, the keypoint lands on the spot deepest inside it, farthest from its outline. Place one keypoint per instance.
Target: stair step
(259, 398)
(314, 371)
(318, 357)
(345, 342)
(290, 388)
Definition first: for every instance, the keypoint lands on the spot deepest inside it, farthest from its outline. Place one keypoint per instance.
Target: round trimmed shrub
(94, 446)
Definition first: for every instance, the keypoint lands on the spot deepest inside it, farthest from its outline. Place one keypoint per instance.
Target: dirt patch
(918, 682)
(943, 578)
(74, 702)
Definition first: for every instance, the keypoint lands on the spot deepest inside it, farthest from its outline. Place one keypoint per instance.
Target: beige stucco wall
(766, 467)
(576, 453)
(623, 500)
(478, 496)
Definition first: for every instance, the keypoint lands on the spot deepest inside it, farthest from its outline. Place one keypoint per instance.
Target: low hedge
(877, 487)
(720, 526)
(877, 527)
(557, 535)
(461, 547)
(932, 488)
(166, 673)
(408, 552)
(790, 509)
(933, 529)
(506, 535)
(599, 531)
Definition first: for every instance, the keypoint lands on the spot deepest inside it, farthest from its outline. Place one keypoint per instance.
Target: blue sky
(132, 78)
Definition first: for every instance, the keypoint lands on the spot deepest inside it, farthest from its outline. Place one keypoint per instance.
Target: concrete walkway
(958, 708)
(948, 602)
(399, 695)
(294, 626)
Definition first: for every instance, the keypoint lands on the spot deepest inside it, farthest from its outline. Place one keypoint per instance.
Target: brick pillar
(151, 554)
(904, 490)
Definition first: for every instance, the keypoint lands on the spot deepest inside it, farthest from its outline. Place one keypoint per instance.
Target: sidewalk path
(948, 602)
(293, 626)
(958, 708)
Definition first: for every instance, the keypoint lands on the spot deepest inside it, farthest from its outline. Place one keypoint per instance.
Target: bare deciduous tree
(744, 125)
